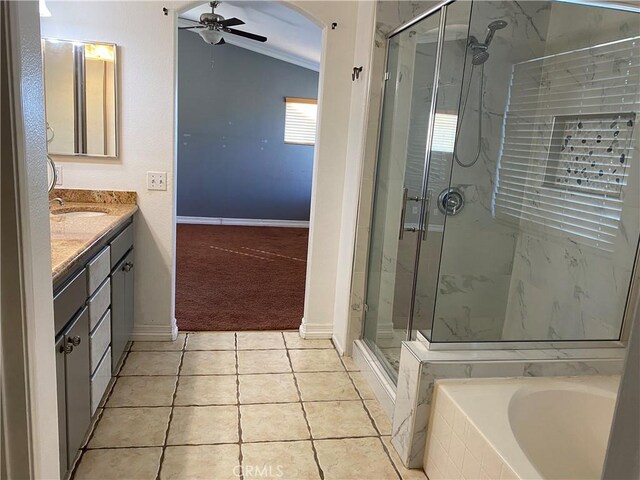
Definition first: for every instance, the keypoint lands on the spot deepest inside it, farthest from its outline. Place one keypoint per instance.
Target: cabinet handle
(75, 341)
(127, 267)
(66, 349)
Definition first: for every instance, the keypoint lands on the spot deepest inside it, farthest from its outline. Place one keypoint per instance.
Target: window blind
(300, 121)
(567, 143)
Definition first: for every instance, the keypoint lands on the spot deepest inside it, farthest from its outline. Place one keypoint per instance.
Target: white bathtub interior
(520, 428)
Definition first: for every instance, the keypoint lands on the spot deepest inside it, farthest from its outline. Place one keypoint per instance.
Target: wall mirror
(81, 97)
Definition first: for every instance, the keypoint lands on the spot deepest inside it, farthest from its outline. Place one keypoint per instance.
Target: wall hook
(356, 73)
(165, 10)
(334, 25)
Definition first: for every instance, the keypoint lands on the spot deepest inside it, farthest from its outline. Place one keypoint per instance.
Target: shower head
(479, 51)
(492, 27)
(480, 55)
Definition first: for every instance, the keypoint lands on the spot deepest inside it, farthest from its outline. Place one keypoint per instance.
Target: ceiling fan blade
(188, 28)
(231, 22)
(240, 33)
(221, 42)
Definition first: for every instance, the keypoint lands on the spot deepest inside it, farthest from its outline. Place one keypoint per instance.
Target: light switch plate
(156, 180)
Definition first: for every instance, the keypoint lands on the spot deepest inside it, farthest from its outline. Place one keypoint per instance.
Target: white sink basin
(78, 214)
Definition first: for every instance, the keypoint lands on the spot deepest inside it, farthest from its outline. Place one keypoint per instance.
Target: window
(444, 132)
(300, 121)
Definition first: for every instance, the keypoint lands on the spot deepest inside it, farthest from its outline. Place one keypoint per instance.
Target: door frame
(28, 386)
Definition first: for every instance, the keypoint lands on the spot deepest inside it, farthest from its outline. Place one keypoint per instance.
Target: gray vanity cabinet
(93, 314)
(78, 386)
(62, 404)
(122, 276)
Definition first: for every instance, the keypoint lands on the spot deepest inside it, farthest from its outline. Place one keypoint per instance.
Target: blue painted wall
(232, 159)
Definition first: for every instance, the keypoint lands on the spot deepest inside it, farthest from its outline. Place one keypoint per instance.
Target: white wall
(146, 40)
(360, 94)
(147, 56)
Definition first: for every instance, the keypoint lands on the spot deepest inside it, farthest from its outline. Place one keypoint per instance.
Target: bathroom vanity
(93, 273)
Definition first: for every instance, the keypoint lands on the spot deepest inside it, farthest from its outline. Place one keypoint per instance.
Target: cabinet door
(78, 382)
(62, 404)
(121, 307)
(129, 273)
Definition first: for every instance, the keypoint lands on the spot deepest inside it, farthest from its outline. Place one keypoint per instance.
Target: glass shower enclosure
(507, 193)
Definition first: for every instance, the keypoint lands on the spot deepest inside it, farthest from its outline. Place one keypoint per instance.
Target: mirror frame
(116, 94)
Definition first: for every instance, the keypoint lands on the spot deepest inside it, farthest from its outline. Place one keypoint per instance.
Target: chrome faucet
(57, 199)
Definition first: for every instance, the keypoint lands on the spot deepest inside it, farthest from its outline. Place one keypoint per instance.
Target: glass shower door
(398, 202)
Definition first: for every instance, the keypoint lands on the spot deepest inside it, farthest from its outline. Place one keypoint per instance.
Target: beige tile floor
(242, 405)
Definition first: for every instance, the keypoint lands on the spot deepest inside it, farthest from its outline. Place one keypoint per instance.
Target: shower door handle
(403, 212)
(425, 217)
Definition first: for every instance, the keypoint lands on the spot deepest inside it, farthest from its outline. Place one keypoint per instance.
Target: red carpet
(240, 278)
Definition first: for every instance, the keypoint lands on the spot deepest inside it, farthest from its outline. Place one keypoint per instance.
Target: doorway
(246, 141)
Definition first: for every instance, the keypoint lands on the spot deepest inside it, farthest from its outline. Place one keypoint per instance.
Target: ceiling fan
(212, 26)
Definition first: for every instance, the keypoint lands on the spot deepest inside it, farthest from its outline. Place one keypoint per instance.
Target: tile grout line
(259, 442)
(121, 407)
(173, 401)
(94, 426)
(375, 426)
(386, 450)
(240, 457)
(304, 414)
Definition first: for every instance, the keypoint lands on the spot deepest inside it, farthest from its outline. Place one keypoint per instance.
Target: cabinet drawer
(99, 303)
(121, 245)
(69, 300)
(98, 269)
(100, 340)
(100, 380)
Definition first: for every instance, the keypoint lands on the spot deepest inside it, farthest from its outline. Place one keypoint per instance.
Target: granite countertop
(73, 237)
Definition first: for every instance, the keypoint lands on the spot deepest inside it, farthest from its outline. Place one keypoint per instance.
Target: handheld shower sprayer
(492, 27)
(479, 55)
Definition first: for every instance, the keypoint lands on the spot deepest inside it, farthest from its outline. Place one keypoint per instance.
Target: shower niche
(590, 153)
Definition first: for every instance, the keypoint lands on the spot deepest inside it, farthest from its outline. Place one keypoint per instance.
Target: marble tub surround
(72, 238)
(93, 196)
(170, 415)
(421, 367)
(520, 428)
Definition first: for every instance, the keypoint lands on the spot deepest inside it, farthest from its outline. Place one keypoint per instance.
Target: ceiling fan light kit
(210, 36)
(211, 27)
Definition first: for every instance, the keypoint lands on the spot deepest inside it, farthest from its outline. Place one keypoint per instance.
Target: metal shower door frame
(632, 306)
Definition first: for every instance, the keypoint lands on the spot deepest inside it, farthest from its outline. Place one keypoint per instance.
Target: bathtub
(520, 428)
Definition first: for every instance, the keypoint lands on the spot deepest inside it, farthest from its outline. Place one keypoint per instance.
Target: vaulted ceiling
(292, 37)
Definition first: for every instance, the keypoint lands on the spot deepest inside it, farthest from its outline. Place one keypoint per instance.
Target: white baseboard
(316, 331)
(245, 222)
(154, 333)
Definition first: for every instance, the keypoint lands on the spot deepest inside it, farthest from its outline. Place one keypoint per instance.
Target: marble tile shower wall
(477, 251)
(569, 282)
